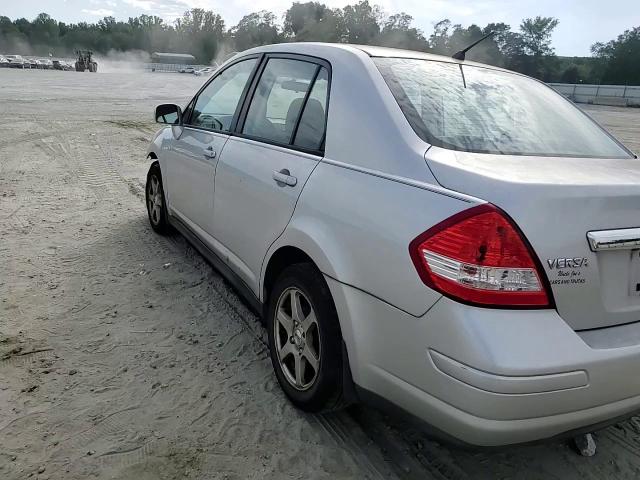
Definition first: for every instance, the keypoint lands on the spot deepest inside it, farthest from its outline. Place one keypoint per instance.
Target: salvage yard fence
(613, 95)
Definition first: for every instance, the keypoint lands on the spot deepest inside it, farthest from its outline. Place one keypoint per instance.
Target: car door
(265, 164)
(195, 152)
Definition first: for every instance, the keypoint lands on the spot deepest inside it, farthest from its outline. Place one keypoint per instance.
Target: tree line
(204, 34)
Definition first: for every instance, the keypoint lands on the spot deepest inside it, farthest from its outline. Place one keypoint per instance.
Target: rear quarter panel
(357, 227)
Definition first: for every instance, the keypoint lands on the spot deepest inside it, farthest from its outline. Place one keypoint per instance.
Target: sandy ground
(124, 355)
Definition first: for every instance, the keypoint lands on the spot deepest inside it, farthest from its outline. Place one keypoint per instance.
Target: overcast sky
(582, 22)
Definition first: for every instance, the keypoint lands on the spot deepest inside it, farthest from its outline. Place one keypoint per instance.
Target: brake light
(480, 257)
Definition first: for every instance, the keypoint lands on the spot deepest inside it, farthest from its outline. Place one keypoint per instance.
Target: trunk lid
(556, 202)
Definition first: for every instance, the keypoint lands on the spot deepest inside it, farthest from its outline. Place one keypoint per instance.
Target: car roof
(370, 50)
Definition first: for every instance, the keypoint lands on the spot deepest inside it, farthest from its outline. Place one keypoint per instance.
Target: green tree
(44, 30)
(255, 29)
(312, 22)
(200, 32)
(14, 36)
(536, 35)
(537, 57)
(398, 32)
(571, 74)
(203, 33)
(361, 23)
(619, 59)
(439, 40)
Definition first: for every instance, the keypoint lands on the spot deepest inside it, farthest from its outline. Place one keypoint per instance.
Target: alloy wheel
(297, 339)
(154, 200)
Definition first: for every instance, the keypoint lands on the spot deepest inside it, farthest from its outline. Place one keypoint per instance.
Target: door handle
(285, 177)
(209, 152)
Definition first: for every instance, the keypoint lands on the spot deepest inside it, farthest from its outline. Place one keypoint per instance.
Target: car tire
(312, 337)
(155, 200)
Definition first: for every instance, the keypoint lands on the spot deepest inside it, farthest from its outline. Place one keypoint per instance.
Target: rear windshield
(482, 110)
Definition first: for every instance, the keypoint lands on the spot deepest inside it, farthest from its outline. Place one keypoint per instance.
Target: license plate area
(634, 274)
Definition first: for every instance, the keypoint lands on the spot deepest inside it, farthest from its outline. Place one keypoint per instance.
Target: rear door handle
(285, 177)
(209, 152)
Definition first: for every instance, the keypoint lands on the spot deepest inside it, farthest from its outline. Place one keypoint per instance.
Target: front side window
(477, 109)
(217, 103)
(279, 98)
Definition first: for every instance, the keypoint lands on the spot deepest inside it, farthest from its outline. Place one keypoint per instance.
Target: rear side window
(285, 88)
(217, 103)
(477, 109)
(310, 133)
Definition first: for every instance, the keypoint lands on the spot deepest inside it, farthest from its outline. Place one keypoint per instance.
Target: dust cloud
(118, 61)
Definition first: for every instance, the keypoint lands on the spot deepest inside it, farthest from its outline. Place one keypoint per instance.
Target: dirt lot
(124, 355)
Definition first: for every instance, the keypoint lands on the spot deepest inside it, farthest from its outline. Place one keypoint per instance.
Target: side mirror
(169, 114)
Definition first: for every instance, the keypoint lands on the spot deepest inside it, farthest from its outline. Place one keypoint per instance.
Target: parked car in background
(16, 61)
(3, 62)
(448, 237)
(62, 65)
(188, 70)
(204, 71)
(45, 63)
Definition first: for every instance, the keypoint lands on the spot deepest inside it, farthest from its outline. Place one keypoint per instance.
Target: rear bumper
(482, 433)
(487, 377)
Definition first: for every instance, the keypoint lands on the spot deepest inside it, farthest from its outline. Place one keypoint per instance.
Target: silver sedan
(438, 235)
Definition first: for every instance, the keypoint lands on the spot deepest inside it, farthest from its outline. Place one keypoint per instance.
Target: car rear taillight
(480, 257)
